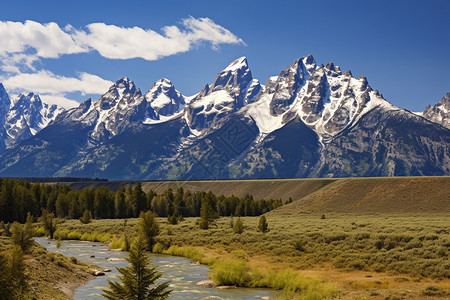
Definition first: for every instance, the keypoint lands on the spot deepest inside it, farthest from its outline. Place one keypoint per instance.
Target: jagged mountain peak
(122, 86)
(312, 121)
(440, 112)
(23, 116)
(234, 78)
(289, 82)
(28, 99)
(233, 88)
(162, 84)
(123, 90)
(3, 93)
(332, 70)
(238, 64)
(324, 98)
(164, 101)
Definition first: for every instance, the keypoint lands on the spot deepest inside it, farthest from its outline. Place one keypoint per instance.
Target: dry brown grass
(376, 195)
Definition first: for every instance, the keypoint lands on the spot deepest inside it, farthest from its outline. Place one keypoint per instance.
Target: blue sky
(402, 47)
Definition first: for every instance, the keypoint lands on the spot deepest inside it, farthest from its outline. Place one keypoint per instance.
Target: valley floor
(373, 256)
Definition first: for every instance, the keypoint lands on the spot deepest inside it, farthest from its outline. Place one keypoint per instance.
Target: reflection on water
(183, 274)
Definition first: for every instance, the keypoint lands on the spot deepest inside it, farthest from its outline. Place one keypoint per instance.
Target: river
(181, 272)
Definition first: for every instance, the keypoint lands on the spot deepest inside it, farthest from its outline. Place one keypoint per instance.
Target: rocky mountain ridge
(23, 117)
(309, 121)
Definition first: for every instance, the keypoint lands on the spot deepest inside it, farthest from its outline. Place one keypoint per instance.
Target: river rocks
(116, 259)
(97, 273)
(210, 284)
(107, 270)
(226, 287)
(207, 283)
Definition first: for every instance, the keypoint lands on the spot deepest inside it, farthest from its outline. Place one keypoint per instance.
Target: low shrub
(158, 248)
(235, 273)
(117, 243)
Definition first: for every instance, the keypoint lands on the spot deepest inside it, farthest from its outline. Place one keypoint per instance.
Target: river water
(181, 272)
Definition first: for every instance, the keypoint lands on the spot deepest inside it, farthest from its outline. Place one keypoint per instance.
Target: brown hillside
(259, 189)
(381, 195)
(347, 195)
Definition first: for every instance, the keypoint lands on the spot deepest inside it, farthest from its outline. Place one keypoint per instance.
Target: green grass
(416, 246)
(406, 244)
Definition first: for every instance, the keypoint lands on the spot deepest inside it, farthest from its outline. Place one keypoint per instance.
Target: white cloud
(46, 82)
(47, 40)
(124, 43)
(54, 87)
(24, 43)
(60, 100)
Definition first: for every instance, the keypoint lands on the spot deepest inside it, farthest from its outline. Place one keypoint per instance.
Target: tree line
(18, 197)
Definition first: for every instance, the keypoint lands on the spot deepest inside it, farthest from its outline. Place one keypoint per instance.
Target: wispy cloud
(53, 88)
(23, 45)
(124, 43)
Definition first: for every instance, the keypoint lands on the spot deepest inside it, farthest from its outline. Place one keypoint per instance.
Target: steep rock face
(135, 154)
(5, 103)
(324, 98)
(289, 82)
(289, 152)
(388, 143)
(117, 108)
(233, 88)
(164, 102)
(439, 113)
(213, 155)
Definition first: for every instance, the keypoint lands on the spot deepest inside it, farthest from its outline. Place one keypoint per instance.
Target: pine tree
(149, 228)
(138, 199)
(138, 279)
(5, 228)
(18, 277)
(207, 215)
(22, 235)
(6, 290)
(263, 226)
(86, 218)
(238, 226)
(48, 222)
(120, 206)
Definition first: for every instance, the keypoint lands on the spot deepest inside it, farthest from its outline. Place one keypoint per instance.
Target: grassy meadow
(375, 256)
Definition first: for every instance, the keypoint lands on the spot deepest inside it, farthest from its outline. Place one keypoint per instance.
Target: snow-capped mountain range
(23, 117)
(309, 121)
